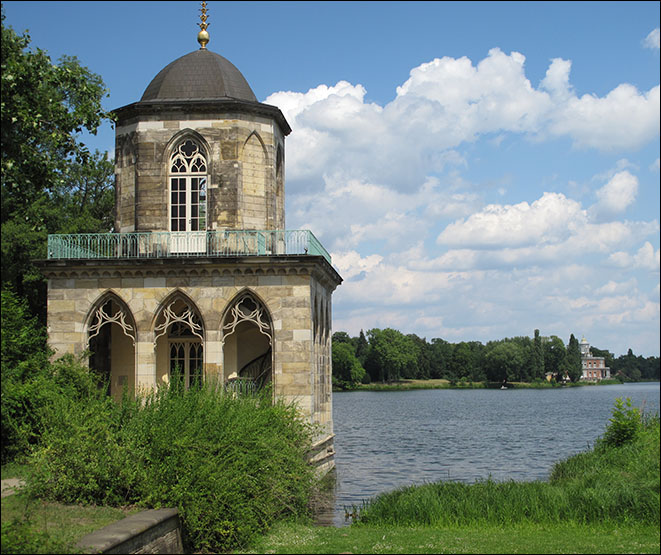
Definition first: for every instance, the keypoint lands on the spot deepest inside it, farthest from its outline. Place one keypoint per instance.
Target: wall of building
(301, 335)
(245, 165)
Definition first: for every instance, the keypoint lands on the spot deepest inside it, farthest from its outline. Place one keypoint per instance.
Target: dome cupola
(200, 75)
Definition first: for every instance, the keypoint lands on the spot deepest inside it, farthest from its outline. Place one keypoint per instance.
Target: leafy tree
(573, 363)
(347, 371)
(390, 353)
(47, 171)
(537, 357)
(440, 354)
(504, 361)
(421, 368)
(341, 337)
(554, 356)
(362, 347)
(462, 361)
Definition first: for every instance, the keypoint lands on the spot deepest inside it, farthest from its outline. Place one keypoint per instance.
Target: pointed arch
(179, 340)
(187, 163)
(257, 141)
(181, 136)
(247, 342)
(111, 333)
(101, 313)
(177, 307)
(246, 306)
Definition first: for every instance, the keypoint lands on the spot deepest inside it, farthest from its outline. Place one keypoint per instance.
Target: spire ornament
(203, 36)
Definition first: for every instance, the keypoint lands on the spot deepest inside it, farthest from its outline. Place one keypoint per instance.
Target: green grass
(562, 538)
(37, 526)
(602, 501)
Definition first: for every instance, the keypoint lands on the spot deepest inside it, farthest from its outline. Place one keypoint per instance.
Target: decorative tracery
(247, 309)
(186, 320)
(187, 158)
(101, 317)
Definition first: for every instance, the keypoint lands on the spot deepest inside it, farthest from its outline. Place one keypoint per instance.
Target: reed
(609, 483)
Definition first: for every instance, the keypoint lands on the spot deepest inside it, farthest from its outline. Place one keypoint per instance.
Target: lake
(384, 440)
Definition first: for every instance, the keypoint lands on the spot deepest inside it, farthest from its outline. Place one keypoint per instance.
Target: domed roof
(202, 74)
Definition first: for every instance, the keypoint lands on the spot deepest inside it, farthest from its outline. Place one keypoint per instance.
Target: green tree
(46, 168)
(341, 337)
(504, 361)
(362, 347)
(391, 352)
(537, 357)
(421, 368)
(462, 363)
(573, 363)
(554, 356)
(347, 371)
(440, 354)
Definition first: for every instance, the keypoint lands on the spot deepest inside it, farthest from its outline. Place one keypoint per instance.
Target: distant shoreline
(408, 385)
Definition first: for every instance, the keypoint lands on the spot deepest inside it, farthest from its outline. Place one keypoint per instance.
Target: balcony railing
(162, 244)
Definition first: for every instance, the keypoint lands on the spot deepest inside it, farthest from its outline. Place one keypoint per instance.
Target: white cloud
(616, 196)
(549, 219)
(385, 189)
(652, 40)
(622, 120)
(443, 104)
(646, 258)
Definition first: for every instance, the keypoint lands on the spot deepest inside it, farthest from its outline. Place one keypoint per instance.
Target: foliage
(625, 424)
(504, 361)
(232, 466)
(391, 352)
(516, 359)
(573, 364)
(50, 181)
(347, 371)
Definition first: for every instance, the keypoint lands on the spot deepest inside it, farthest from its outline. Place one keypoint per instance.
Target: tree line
(387, 355)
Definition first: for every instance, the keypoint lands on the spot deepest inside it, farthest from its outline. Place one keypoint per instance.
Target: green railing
(162, 244)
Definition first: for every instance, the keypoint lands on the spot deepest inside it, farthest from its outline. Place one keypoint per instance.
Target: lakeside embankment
(406, 385)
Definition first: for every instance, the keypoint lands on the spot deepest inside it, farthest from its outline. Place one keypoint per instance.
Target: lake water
(384, 440)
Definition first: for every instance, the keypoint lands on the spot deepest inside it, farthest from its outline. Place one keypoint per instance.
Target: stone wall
(245, 168)
(296, 291)
(152, 531)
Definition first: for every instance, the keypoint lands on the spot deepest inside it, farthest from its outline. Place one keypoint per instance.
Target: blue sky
(476, 169)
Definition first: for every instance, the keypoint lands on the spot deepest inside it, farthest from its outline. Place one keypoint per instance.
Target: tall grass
(610, 483)
(232, 465)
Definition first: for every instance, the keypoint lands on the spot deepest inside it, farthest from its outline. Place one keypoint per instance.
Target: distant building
(594, 368)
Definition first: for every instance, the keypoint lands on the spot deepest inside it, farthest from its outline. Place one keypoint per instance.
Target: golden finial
(203, 36)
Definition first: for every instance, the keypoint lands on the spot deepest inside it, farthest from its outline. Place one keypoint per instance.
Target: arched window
(247, 344)
(179, 342)
(188, 188)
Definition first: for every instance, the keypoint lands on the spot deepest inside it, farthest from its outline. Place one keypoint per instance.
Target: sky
(477, 170)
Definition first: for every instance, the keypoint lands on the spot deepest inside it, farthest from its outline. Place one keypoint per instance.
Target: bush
(624, 425)
(231, 465)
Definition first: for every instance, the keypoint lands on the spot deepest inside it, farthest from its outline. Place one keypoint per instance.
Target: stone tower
(200, 279)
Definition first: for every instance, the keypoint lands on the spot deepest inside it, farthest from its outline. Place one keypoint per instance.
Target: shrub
(625, 424)
(231, 465)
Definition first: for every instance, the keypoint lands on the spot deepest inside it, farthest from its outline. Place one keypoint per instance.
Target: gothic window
(188, 188)
(185, 347)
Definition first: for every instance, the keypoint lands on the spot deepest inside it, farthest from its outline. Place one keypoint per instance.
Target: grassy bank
(605, 500)
(407, 385)
(32, 525)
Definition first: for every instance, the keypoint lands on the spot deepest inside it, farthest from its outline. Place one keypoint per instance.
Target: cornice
(205, 106)
(199, 267)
